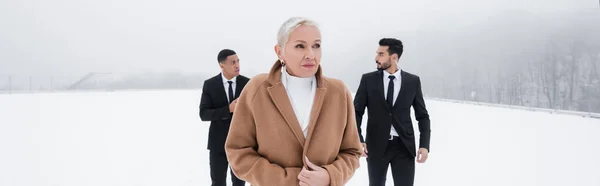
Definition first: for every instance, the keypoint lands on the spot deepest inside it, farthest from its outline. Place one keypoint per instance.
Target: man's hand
(423, 153)
(318, 176)
(365, 151)
(232, 106)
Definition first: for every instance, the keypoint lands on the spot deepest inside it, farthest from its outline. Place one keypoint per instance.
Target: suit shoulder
(212, 79)
(369, 74)
(244, 78)
(410, 74)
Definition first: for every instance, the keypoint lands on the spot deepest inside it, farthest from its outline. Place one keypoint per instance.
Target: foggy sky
(75, 37)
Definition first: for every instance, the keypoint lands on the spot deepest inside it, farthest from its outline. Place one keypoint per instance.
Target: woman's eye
(299, 46)
(317, 46)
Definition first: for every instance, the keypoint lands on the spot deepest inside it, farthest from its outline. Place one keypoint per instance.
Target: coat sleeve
(241, 146)
(347, 161)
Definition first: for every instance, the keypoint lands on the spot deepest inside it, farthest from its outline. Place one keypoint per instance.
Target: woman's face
(302, 54)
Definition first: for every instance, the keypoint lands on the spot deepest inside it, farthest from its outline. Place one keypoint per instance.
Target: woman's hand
(318, 176)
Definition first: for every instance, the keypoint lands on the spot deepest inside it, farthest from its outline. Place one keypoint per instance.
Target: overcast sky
(75, 37)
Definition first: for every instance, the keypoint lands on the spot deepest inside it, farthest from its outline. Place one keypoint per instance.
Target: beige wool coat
(265, 145)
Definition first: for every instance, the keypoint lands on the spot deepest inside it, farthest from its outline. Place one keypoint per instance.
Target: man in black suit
(219, 97)
(388, 94)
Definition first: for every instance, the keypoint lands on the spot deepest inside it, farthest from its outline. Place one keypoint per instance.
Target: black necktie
(390, 92)
(230, 91)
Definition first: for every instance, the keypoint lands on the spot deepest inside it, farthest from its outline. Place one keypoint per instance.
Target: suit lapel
(401, 94)
(238, 87)
(380, 90)
(280, 98)
(221, 89)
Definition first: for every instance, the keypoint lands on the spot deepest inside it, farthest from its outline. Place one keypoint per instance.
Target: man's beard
(384, 66)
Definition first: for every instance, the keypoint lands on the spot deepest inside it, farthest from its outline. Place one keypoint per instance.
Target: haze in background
(541, 53)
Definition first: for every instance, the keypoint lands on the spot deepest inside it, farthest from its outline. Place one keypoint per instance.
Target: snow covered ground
(155, 138)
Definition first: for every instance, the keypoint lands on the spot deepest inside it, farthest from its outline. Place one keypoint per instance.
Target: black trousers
(403, 165)
(218, 170)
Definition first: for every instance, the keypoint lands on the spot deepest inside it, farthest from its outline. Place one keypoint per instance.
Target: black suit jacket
(214, 107)
(370, 94)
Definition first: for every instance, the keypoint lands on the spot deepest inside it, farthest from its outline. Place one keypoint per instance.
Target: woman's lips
(309, 65)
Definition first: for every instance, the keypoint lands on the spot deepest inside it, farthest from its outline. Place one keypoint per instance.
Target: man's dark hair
(394, 46)
(224, 54)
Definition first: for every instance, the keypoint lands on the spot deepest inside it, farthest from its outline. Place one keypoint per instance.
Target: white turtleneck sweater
(301, 92)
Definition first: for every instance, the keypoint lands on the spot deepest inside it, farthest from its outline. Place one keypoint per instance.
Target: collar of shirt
(225, 79)
(396, 74)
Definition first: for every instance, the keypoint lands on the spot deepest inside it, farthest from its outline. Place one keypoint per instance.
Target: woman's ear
(278, 52)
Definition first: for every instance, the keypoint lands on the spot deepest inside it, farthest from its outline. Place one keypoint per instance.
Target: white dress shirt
(397, 83)
(226, 85)
(301, 92)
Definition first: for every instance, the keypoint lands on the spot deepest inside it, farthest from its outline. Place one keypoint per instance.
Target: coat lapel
(280, 98)
(316, 110)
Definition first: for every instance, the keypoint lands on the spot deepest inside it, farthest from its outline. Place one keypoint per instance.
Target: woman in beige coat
(294, 126)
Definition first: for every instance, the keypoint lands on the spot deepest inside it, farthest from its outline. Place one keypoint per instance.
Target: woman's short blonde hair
(288, 26)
